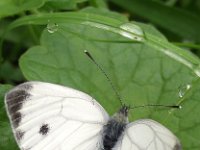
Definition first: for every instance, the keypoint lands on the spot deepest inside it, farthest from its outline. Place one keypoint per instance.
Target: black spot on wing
(44, 129)
(14, 100)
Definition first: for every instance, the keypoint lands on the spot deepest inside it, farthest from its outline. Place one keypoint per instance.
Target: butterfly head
(122, 115)
(124, 110)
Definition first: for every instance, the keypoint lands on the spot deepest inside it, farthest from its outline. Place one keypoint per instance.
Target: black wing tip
(14, 100)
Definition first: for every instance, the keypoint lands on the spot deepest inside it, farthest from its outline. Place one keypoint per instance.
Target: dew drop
(52, 27)
(183, 89)
(134, 31)
(132, 28)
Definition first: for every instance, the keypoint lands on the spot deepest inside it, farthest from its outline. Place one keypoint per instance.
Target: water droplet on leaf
(134, 31)
(183, 89)
(132, 28)
(52, 27)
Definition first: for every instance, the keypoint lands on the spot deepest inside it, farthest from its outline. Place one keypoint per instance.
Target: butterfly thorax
(113, 130)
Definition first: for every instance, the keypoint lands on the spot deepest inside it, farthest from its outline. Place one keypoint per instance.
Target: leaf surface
(144, 67)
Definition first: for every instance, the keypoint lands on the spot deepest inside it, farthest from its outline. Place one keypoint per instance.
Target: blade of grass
(188, 45)
(112, 25)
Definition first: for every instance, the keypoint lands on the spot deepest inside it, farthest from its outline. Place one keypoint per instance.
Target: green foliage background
(44, 40)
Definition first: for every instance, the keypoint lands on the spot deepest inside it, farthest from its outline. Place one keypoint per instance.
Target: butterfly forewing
(147, 134)
(46, 116)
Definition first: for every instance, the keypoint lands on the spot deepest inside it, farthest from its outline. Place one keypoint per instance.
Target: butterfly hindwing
(46, 116)
(147, 134)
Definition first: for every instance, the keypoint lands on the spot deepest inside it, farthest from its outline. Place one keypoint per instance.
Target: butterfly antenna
(157, 105)
(106, 75)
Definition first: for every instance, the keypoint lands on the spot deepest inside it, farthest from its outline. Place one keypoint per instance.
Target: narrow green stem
(188, 45)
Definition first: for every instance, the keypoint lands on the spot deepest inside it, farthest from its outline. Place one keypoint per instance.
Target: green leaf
(189, 122)
(7, 140)
(11, 7)
(100, 11)
(178, 21)
(142, 64)
(112, 25)
(99, 3)
(53, 5)
(3, 90)
(6, 69)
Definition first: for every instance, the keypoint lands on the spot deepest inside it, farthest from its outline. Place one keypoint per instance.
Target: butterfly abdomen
(111, 133)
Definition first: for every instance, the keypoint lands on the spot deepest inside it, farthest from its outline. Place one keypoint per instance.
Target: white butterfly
(46, 116)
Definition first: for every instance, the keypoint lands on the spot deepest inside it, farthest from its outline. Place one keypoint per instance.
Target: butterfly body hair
(114, 129)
